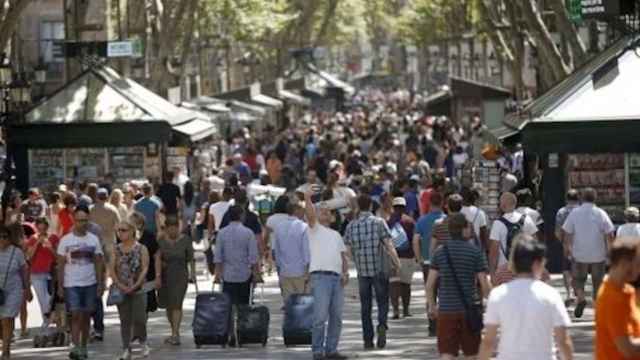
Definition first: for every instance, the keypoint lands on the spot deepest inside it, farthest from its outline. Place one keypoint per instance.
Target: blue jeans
(368, 284)
(328, 301)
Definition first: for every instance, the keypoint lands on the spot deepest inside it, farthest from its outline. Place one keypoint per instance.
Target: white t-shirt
(533, 214)
(218, 210)
(475, 216)
(630, 229)
(325, 247)
(589, 225)
(80, 252)
(527, 312)
(499, 232)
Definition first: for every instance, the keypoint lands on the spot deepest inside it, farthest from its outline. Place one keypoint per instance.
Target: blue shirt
(292, 247)
(424, 227)
(148, 207)
(237, 250)
(413, 209)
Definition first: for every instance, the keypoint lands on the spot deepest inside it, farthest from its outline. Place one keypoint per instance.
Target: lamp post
(15, 93)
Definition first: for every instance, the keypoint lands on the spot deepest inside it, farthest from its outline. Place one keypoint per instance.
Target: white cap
(399, 201)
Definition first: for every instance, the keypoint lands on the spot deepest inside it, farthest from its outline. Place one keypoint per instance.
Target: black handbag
(6, 277)
(473, 310)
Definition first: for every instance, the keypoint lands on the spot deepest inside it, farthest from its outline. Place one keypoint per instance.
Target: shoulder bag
(6, 277)
(473, 311)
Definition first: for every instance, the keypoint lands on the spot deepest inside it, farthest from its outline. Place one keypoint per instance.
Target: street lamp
(20, 90)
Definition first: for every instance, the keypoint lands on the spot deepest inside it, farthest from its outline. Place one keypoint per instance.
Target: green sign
(575, 10)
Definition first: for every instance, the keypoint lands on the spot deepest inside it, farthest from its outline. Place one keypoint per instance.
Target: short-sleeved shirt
(630, 229)
(475, 216)
(424, 227)
(218, 210)
(468, 262)
(108, 217)
(12, 271)
(441, 231)
(365, 235)
(616, 316)
(563, 214)
(408, 225)
(499, 232)
(326, 247)
(149, 207)
(43, 258)
(250, 220)
(169, 194)
(237, 249)
(80, 253)
(589, 226)
(527, 312)
(33, 209)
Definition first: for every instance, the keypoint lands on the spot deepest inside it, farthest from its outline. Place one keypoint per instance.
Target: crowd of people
(379, 186)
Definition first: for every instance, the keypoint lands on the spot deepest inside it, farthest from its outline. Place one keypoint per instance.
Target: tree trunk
(569, 31)
(329, 16)
(10, 21)
(547, 48)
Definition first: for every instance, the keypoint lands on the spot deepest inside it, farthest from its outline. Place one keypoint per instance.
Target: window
(51, 47)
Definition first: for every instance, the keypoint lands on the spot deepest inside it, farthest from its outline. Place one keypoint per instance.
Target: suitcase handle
(213, 287)
(252, 293)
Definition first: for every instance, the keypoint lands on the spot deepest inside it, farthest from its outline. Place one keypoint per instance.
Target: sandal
(168, 340)
(175, 341)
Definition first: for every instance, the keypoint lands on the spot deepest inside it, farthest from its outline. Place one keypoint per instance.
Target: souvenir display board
(487, 178)
(126, 163)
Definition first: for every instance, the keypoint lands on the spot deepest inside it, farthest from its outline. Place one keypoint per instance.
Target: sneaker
(382, 337)
(395, 317)
(146, 350)
(336, 356)
(126, 355)
(579, 310)
(97, 336)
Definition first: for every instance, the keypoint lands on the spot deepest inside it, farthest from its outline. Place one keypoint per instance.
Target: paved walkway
(407, 337)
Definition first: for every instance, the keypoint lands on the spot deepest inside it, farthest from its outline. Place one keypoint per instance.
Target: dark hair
(573, 195)
(281, 205)
(469, 195)
(241, 197)
(526, 252)
(438, 181)
(70, 199)
(54, 197)
(456, 223)
(81, 208)
(364, 202)
(454, 203)
(42, 221)
(227, 193)
(171, 221)
(589, 195)
(436, 199)
(188, 193)
(524, 197)
(623, 248)
(92, 191)
(235, 213)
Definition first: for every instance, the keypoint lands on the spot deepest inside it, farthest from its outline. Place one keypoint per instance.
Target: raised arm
(310, 209)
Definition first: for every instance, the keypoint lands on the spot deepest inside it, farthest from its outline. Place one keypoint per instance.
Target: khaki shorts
(454, 335)
(407, 268)
(293, 285)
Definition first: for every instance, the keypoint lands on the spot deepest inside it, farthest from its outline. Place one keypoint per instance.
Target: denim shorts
(81, 299)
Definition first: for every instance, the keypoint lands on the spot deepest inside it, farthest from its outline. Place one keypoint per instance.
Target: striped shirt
(365, 236)
(468, 261)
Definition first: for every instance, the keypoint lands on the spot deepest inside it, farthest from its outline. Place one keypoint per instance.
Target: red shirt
(44, 258)
(425, 201)
(65, 218)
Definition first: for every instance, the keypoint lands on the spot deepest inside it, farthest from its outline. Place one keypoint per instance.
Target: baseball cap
(399, 201)
(632, 211)
(103, 192)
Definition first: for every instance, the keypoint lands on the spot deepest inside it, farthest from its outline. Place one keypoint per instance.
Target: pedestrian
(149, 240)
(617, 316)
(170, 195)
(368, 240)
(460, 266)
(117, 200)
(291, 248)
(477, 217)
(65, 216)
(34, 207)
(589, 231)
(503, 233)
(80, 278)
(329, 274)
(178, 269)
(572, 202)
(218, 209)
(16, 288)
(107, 217)
(128, 269)
(53, 212)
(422, 243)
(441, 233)
(402, 228)
(249, 219)
(525, 206)
(632, 226)
(150, 207)
(528, 313)
(236, 261)
(188, 207)
(279, 215)
(41, 255)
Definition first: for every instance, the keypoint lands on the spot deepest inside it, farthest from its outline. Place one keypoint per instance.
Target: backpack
(399, 237)
(513, 230)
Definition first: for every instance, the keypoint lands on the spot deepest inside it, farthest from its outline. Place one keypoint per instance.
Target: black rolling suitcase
(298, 320)
(211, 318)
(253, 323)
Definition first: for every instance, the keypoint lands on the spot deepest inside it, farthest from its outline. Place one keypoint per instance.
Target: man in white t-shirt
(80, 278)
(476, 217)
(217, 210)
(329, 269)
(501, 238)
(588, 230)
(632, 227)
(525, 203)
(529, 314)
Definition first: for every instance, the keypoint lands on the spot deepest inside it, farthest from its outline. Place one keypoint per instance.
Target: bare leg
(76, 327)
(23, 319)
(85, 325)
(7, 331)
